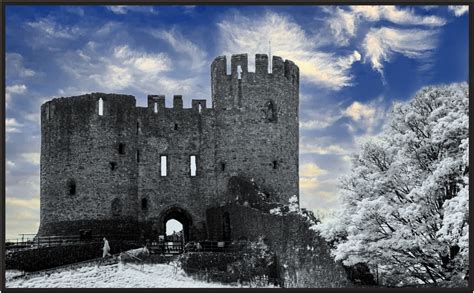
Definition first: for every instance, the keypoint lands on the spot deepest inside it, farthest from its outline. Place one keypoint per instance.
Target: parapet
(157, 103)
(279, 67)
(101, 103)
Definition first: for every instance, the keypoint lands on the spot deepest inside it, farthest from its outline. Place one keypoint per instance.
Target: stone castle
(113, 168)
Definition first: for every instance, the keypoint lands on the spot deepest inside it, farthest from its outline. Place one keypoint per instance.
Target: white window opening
(192, 165)
(101, 107)
(199, 107)
(239, 72)
(164, 166)
(155, 107)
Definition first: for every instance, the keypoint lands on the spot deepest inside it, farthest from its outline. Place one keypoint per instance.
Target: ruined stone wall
(257, 123)
(302, 254)
(77, 148)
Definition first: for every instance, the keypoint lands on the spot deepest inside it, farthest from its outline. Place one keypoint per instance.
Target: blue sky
(354, 62)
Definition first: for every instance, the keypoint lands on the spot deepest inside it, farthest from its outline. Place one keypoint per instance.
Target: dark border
(221, 2)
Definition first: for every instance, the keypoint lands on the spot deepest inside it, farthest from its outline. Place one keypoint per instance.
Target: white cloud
(33, 158)
(11, 125)
(128, 68)
(16, 89)
(396, 15)
(359, 111)
(124, 9)
(11, 90)
(344, 23)
(33, 203)
(308, 183)
(380, 44)
(311, 170)
(50, 29)
(144, 62)
(459, 10)
(239, 34)
(318, 123)
(185, 46)
(322, 149)
(367, 117)
(15, 66)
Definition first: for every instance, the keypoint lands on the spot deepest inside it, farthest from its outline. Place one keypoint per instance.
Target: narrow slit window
(155, 107)
(163, 165)
(222, 166)
(138, 127)
(199, 108)
(101, 107)
(138, 156)
(275, 164)
(72, 187)
(113, 166)
(175, 126)
(192, 165)
(239, 72)
(144, 204)
(48, 112)
(121, 148)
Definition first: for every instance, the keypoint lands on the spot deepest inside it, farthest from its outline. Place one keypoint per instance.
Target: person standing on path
(106, 249)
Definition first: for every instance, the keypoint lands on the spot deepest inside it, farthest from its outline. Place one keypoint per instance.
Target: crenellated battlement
(239, 68)
(158, 102)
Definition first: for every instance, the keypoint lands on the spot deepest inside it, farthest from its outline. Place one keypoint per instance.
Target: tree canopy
(405, 202)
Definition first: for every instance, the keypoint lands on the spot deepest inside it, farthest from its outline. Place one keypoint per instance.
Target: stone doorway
(180, 215)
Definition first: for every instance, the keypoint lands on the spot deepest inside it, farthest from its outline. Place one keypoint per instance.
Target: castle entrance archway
(178, 214)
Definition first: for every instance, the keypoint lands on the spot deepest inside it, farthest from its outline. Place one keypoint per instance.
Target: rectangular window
(101, 107)
(192, 165)
(138, 156)
(163, 165)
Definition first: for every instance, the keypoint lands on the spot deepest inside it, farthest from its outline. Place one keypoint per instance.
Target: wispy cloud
(47, 27)
(124, 9)
(459, 10)
(32, 158)
(15, 67)
(334, 149)
(180, 44)
(380, 44)
(290, 41)
(33, 203)
(397, 15)
(13, 90)
(127, 66)
(11, 125)
(344, 23)
(367, 117)
(311, 170)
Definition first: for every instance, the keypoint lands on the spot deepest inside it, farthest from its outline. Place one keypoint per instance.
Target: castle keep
(114, 168)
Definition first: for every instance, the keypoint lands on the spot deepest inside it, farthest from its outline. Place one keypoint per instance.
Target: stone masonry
(102, 171)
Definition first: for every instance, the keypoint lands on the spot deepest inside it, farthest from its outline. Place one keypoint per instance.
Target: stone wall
(50, 257)
(303, 255)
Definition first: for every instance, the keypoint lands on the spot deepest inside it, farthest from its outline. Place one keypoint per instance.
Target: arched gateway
(179, 215)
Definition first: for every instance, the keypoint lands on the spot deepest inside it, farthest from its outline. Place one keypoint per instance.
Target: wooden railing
(31, 241)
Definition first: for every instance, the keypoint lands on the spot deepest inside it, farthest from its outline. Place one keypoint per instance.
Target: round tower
(88, 165)
(257, 123)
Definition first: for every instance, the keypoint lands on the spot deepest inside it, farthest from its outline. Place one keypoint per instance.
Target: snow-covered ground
(111, 276)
